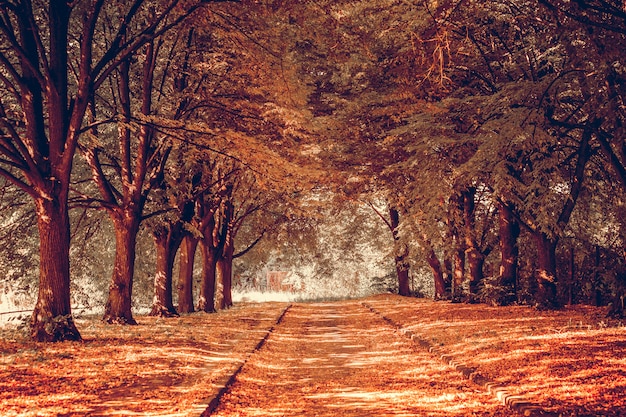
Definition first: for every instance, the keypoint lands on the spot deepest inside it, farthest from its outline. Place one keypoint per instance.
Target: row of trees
(493, 131)
(127, 108)
(483, 129)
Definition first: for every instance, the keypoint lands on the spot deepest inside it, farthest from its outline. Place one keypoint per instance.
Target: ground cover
(340, 359)
(572, 362)
(162, 367)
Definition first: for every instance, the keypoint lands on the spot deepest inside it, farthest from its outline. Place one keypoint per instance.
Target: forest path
(341, 359)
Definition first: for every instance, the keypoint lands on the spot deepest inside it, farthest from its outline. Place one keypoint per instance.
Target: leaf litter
(340, 359)
(324, 359)
(162, 367)
(571, 361)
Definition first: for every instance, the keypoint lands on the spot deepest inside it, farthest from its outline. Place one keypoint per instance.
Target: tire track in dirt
(330, 359)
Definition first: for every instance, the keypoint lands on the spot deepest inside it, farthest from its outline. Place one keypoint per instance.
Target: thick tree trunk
(52, 318)
(546, 296)
(435, 266)
(475, 262)
(119, 304)
(224, 274)
(188, 249)
(402, 265)
(402, 269)
(509, 254)
(206, 299)
(166, 239)
(458, 274)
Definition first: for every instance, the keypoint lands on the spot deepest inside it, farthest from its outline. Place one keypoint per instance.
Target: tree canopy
(487, 137)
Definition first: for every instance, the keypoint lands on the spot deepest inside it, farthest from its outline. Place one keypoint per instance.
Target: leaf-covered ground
(325, 359)
(571, 362)
(340, 359)
(162, 367)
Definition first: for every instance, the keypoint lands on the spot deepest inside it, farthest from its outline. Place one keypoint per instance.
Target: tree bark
(546, 271)
(402, 269)
(475, 258)
(188, 249)
(402, 266)
(475, 261)
(509, 254)
(458, 275)
(206, 299)
(447, 271)
(167, 239)
(572, 276)
(52, 318)
(118, 309)
(224, 275)
(435, 266)
(456, 241)
(211, 246)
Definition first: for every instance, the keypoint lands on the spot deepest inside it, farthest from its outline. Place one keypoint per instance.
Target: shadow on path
(340, 359)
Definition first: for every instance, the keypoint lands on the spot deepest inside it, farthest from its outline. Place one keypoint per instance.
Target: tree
(52, 63)
(168, 235)
(148, 96)
(401, 249)
(490, 107)
(244, 201)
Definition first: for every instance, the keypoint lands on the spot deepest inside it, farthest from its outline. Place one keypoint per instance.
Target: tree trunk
(475, 261)
(224, 274)
(447, 272)
(596, 293)
(546, 296)
(402, 269)
(185, 277)
(572, 276)
(166, 239)
(52, 318)
(206, 300)
(458, 274)
(475, 258)
(402, 265)
(509, 253)
(435, 266)
(119, 303)
(223, 278)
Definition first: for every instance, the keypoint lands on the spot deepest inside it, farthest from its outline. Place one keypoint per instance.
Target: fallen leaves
(160, 367)
(341, 359)
(572, 361)
(324, 359)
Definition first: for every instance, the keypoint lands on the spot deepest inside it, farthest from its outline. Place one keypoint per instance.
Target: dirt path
(340, 359)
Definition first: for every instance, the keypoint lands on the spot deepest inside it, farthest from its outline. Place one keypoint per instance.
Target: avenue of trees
(486, 138)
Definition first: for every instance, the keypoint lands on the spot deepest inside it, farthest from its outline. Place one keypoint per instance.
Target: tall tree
(147, 96)
(53, 60)
(245, 201)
